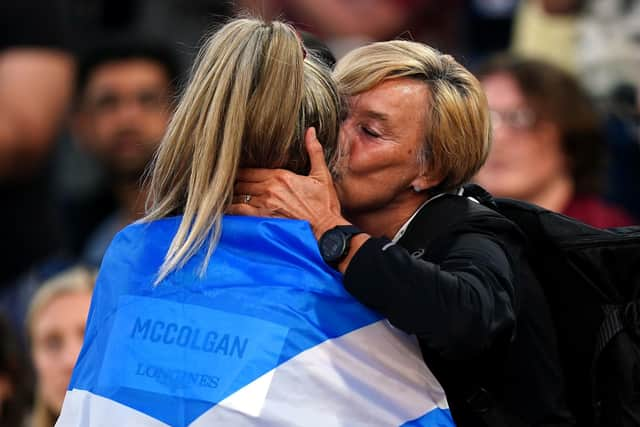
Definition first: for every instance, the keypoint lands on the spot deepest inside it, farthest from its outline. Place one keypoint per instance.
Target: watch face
(332, 245)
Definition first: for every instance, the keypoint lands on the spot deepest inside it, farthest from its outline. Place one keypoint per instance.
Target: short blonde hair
(252, 93)
(458, 135)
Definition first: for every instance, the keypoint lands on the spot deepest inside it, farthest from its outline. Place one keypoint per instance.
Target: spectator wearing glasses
(548, 146)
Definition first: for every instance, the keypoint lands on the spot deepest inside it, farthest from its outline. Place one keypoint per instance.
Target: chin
(356, 207)
(347, 205)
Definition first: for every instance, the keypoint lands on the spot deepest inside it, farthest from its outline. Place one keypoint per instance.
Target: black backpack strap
(617, 318)
(611, 326)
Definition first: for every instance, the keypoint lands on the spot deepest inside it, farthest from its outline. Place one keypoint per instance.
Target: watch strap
(348, 230)
(343, 232)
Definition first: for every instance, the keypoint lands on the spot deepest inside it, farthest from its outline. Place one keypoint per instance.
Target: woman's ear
(424, 182)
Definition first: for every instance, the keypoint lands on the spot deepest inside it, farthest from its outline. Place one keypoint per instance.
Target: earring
(416, 189)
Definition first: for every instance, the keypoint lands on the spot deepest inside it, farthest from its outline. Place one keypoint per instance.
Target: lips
(127, 145)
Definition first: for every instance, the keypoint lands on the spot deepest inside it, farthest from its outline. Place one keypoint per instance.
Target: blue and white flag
(268, 337)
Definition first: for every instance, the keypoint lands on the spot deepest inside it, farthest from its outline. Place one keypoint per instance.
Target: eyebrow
(376, 115)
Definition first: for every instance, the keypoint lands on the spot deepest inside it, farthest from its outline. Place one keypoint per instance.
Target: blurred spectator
(88, 22)
(13, 378)
(55, 326)
(36, 74)
(608, 45)
(35, 78)
(488, 26)
(598, 40)
(547, 30)
(124, 96)
(189, 21)
(345, 25)
(548, 146)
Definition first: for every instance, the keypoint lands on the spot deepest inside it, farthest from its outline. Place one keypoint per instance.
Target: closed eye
(370, 132)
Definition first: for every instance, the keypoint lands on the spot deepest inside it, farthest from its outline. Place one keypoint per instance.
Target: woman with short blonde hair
(458, 134)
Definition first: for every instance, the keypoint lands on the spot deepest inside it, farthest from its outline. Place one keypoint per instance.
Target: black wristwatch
(334, 243)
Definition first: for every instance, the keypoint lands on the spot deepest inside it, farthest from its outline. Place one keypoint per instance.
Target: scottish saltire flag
(268, 337)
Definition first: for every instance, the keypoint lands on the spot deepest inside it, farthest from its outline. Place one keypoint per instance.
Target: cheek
(514, 156)
(105, 127)
(49, 376)
(43, 361)
(344, 140)
(53, 376)
(76, 344)
(521, 171)
(543, 160)
(364, 157)
(43, 369)
(157, 124)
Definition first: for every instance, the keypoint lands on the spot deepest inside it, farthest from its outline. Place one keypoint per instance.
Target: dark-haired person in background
(36, 80)
(36, 75)
(14, 379)
(124, 95)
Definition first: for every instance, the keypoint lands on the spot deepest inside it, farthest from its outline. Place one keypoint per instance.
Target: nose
(129, 111)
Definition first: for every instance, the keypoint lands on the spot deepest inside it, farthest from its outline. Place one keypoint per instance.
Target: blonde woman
(205, 319)
(55, 327)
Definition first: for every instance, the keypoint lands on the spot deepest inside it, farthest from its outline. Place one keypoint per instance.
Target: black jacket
(459, 281)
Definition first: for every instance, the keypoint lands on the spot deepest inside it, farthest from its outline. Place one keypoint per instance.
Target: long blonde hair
(458, 136)
(251, 95)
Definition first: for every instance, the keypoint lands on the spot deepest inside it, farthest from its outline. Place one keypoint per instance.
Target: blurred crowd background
(87, 88)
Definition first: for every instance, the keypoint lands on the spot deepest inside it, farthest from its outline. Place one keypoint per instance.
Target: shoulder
(139, 242)
(139, 231)
(458, 214)
(457, 224)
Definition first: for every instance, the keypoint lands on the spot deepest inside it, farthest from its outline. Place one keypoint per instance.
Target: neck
(131, 199)
(387, 220)
(556, 195)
